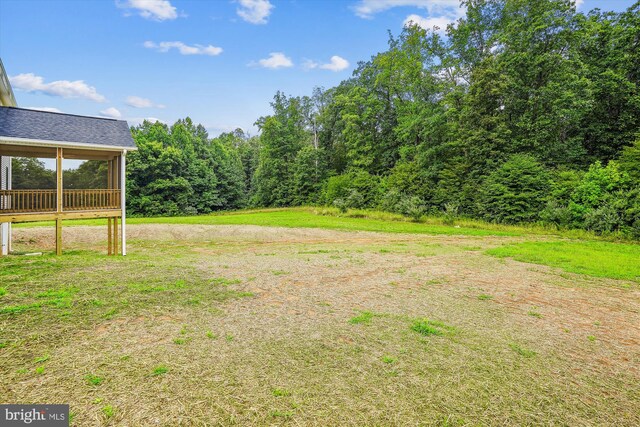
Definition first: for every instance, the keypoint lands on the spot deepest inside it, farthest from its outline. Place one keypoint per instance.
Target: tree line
(522, 111)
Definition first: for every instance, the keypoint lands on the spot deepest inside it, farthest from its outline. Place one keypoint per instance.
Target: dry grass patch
(199, 330)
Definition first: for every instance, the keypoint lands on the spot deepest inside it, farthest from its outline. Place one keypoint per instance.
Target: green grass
(535, 314)
(428, 327)
(364, 317)
(94, 379)
(281, 414)
(388, 359)
(522, 351)
(108, 411)
(316, 218)
(159, 370)
(279, 272)
(599, 259)
(226, 282)
(41, 359)
(279, 392)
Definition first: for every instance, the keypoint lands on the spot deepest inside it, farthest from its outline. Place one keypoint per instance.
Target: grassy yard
(600, 259)
(322, 324)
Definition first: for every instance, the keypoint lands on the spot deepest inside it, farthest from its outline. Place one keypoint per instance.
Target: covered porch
(60, 203)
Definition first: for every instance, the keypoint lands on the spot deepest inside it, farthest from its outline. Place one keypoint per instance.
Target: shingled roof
(44, 126)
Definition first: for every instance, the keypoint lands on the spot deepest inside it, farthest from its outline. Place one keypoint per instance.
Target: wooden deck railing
(20, 201)
(33, 201)
(82, 200)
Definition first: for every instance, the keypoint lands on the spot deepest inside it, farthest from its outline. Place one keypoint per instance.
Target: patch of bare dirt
(44, 237)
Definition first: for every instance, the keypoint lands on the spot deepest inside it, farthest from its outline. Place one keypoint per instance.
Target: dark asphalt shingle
(32, 124)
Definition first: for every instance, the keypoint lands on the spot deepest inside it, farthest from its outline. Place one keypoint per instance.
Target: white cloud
(157, 10)
(29, 82)
(579, 3)
(309, 64)
(429, 22)
(337, 63)
(184, 49)
(135, 121)
(254, 11)
(153, 120)
(368, 8)
(138, 102)
(440, 13)
(111, 112)
(276, 60)
(49, 109)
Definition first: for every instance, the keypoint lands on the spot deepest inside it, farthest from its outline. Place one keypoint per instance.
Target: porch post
(59, 206)
(123, 222)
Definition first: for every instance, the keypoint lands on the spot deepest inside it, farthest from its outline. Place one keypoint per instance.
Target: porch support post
(59, 206)
(115, 235)
(4, 246)
(109, 237)
(123, 167)
(58, 236)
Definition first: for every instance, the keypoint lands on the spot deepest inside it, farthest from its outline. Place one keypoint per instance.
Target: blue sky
(218, 61)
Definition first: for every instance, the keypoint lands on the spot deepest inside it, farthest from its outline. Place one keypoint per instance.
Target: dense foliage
(31, 173)
(178, 170)
(522, 111)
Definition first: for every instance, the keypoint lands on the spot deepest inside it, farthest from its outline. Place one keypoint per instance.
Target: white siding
(5, 184)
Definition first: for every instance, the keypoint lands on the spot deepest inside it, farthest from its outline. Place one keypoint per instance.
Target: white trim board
(53, 144)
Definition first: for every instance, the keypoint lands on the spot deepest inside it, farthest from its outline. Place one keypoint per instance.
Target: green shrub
(602, 220)
(515, 192)
(627, 204)
(337, 188)
(190, 210)
(358, 188)
(355, 200)
(630, 160)
(450, 213)
(409, 178)
(412, 207)
(562, 216)
(390, 200)
(341, 204)
(633, 230)
(597, 184)
(564, 183)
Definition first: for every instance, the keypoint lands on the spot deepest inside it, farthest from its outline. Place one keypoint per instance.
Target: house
(6, 100)
(43, 134)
